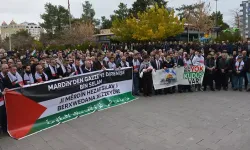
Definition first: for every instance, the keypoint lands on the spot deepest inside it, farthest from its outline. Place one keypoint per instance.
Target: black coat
(168, 64)
(49, 74)
(33, 68)
(60, 72)
(247, 66)
(154, 65)
(98, 66)
(7, 83)
(84, 70)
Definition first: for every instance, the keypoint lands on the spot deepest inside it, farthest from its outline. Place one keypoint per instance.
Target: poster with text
(190, 75)
(38, 107)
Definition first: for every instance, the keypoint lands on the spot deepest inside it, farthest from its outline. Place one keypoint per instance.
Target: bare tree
(80, 33)
(201, 17)
(236, 15)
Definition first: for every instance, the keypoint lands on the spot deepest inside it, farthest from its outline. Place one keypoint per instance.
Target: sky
(30, 10)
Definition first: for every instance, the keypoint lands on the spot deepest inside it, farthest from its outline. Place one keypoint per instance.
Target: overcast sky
(30, 10)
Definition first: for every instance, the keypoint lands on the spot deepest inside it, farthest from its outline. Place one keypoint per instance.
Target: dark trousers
(3, 119)
(141, 85)
(147, 85)
(136, 83)
(208, 80)
(186, 88)
(168, 90)
(224, 80)
(246, 80)
(180, 88)
(217, 79)
(230, 76)
(157, 92)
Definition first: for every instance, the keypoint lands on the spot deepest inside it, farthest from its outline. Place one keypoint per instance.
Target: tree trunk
(199, 35)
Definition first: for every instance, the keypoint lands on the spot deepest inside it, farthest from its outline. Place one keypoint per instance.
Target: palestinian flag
(33, 53)
(32, 109)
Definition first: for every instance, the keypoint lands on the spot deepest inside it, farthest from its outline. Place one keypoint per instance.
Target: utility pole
(69, 15)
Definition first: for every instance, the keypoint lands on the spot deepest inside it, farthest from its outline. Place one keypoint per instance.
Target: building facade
(8, 29)
(245, 19)
(33, 29)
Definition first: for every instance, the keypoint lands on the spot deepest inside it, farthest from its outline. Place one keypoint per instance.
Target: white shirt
(198, 61)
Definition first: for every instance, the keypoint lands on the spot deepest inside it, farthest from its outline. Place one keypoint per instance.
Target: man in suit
(123, 63)
(28, 77)
(157, 64)
(87, 67)
(100, 63)
(19, 67)
(52, 71)
(40, 75)
(13, 79)
(179, 62)
(4, 71)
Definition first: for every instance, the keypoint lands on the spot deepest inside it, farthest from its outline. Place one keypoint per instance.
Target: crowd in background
(225, 63)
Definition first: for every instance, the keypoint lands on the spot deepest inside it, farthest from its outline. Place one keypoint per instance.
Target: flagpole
(69, 15)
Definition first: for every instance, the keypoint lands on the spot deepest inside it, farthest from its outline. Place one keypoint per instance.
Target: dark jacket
(210, 64)
(98, 66)
(50, 75)
(33, 68)
(154, 65)
(7, 83)
(223, 64)
(84, 70)
(247, 66)
(60, 72)
(168, 64)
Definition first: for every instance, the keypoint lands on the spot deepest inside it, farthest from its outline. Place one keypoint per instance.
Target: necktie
(157, 62)
(43, 77)
(78, 70)
(55, 69)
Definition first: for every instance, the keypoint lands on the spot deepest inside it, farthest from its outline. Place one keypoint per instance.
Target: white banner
(188, 75)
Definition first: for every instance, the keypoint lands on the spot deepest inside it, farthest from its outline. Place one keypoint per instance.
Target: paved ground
(196, 121)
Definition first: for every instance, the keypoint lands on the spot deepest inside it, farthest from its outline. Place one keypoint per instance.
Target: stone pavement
(193, 121)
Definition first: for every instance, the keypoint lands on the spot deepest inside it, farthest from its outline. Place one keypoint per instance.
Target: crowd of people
(223, 66)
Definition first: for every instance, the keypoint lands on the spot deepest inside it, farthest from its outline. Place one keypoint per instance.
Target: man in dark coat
(209, 73)
(157, 64)
(100, 63)
(87, 67)
(52, 70)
